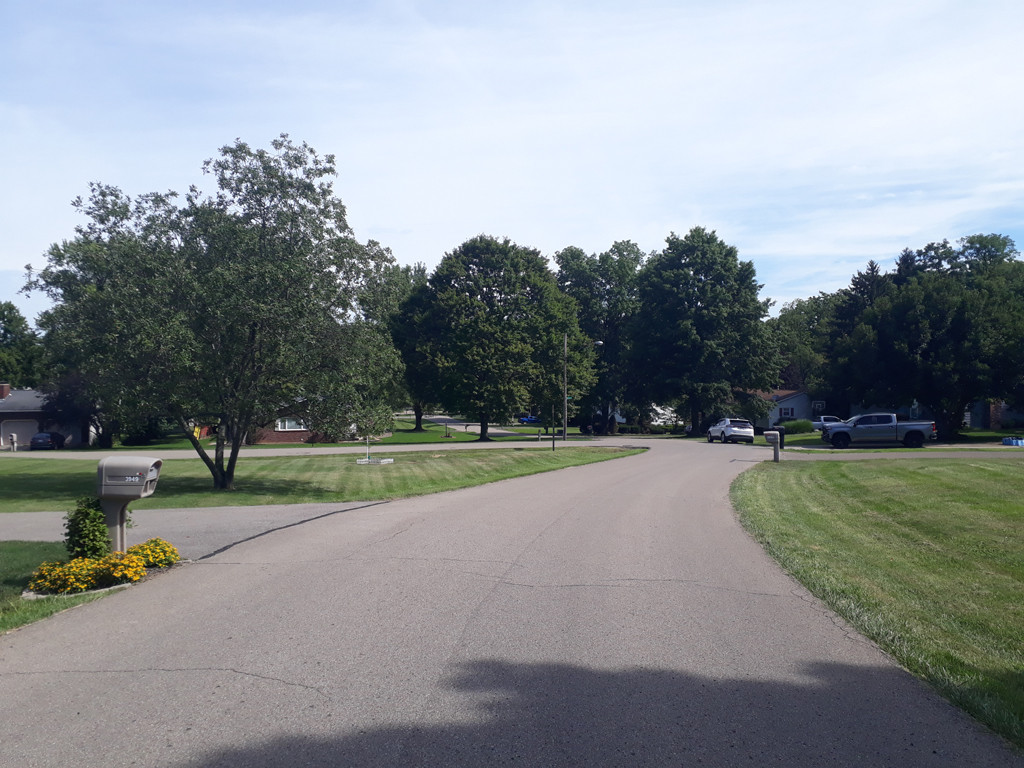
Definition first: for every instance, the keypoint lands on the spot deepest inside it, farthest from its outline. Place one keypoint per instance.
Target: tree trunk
(417, 409)
(695, 417)
(216, 467)
(948, 422)
(483, 428)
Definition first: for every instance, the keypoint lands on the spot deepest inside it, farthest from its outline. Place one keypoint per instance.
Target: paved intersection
(607, 615)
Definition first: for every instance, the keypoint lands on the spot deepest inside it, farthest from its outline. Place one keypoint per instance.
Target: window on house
(786, 413)
(289, 424)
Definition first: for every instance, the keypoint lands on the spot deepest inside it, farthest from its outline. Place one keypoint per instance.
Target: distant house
(291, 429)
(286, 429)
(22, 415)
(993, 415)
(787, 405)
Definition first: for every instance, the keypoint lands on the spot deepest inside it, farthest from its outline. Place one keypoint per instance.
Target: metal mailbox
(127, 477)
(121, 480)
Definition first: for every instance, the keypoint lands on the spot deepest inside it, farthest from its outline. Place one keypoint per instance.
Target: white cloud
(812, 137)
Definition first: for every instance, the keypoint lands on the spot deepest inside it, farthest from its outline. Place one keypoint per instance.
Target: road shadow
(568, 715)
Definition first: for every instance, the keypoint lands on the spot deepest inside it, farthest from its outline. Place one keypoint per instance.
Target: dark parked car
(46, 441)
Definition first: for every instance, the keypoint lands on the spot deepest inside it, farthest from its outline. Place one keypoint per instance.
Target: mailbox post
(121, 480)
(772, 438)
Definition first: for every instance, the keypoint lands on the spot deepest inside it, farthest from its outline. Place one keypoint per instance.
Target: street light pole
(565, 385)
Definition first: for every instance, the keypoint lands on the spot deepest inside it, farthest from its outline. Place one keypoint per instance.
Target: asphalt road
(608, 615)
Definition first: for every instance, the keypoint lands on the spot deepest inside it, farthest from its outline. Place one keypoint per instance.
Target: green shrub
(86, 530)
(156, 553)
(798, 427)
(144, 432)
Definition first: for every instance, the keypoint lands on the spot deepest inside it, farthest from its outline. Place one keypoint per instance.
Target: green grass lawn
(924, 557)
(54, 484)
(18, 560)
(403, 434)
(968, 439)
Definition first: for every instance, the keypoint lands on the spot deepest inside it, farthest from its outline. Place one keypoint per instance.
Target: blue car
(46, 441)
(529, 419)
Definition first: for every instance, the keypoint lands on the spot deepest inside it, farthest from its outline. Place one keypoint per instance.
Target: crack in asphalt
(625, 583)
(507, 563)
(231, 670)
(837, 620)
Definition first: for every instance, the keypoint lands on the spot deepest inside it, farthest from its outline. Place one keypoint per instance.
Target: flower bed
(86, 573)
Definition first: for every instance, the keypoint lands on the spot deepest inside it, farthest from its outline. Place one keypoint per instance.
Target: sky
(812, 136)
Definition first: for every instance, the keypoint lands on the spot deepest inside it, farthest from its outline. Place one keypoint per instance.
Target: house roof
(22, 401)
(779, 395)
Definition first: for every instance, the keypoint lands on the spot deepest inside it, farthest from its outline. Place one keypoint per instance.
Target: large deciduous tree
(802, 332)
(604, 287)
(19, 348)
(700, 334)
(496, 332)
(226, 310)
(414, 336)
(945, 331)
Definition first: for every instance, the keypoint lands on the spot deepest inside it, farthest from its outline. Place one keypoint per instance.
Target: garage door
(24, 429)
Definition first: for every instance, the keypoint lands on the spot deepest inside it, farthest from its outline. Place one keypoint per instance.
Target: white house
(788, 404)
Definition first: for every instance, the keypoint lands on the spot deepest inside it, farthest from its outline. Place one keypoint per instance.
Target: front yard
(925, 557)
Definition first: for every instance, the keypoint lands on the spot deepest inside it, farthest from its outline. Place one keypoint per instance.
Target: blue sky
(812, 136)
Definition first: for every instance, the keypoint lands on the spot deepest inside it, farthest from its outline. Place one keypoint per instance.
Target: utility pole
(565, 385)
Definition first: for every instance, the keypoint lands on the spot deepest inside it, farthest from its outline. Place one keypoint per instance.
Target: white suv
(819, 421)
(732, 431)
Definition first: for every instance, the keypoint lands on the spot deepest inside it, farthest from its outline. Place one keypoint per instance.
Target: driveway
(607, 615)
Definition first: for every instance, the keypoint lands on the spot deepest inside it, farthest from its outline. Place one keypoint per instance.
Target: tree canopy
(19, 348)
(942, 330)
(256, 302)
(604, 287)
(945, 330)
(700, 334)
(493, 326)
(227, 310)
(414, 337)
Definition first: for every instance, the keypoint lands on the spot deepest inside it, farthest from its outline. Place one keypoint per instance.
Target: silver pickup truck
(878, 428)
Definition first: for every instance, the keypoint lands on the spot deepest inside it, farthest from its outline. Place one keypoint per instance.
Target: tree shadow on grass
(38, 485)
(195, 491)
(568, 715)
(59, 490)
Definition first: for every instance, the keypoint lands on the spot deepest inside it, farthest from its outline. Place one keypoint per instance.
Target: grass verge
(968, 439)
(53, 485)
(923, 557)
(18, 560)
(404, 433)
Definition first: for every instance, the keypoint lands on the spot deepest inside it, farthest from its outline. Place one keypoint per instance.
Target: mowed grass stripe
(926, 557)
(28, 485)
